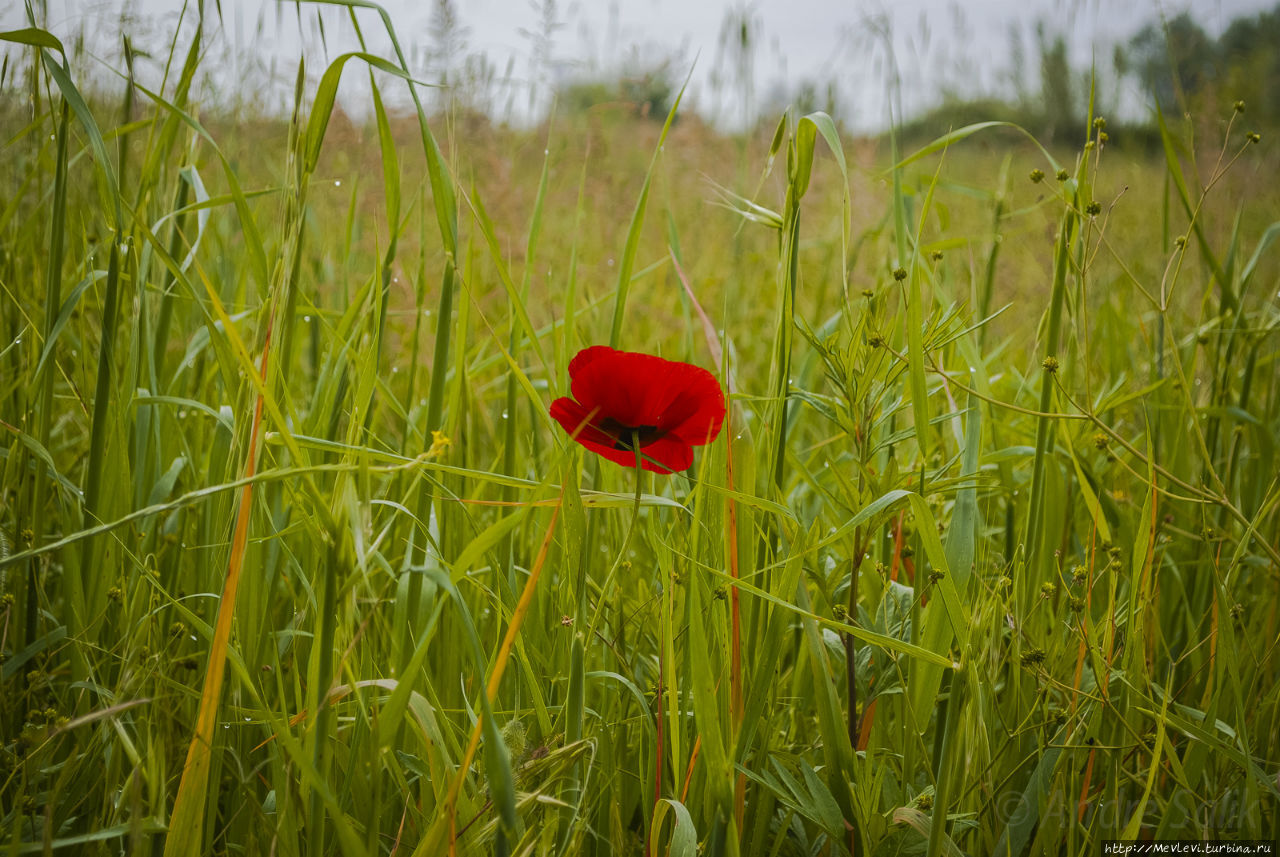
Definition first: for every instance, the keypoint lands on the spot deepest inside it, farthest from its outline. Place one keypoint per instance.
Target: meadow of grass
(294, 561)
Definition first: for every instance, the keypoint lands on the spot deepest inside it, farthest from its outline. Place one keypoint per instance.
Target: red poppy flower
(624, 398)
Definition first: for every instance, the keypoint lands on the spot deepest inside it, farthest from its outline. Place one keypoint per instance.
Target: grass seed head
(1032, 658)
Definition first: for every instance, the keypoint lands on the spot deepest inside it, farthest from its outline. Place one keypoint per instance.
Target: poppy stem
(626, 539)
(635, 509)
(635, 446)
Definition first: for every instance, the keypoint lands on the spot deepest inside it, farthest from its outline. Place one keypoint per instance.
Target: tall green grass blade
(684, 835)
(1033, 541)
(1026, 813)
(626, 264)
(959, 548)
(44, 406)
(186, 823)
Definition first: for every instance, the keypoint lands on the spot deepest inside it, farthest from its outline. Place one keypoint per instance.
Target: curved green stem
(626, 540)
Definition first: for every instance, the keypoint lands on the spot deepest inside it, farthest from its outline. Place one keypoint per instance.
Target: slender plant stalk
(186, 824)
(53, 299)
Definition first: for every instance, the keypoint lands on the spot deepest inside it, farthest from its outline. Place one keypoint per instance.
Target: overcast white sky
(938, 45)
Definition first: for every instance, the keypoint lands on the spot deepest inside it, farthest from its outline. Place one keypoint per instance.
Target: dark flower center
(623, 435)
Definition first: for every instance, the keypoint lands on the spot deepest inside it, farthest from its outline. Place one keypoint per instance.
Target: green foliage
(1173, 59)
(645, 91)
(1184, 68)
(1059, 102)
(984, 560)
(1180, 67)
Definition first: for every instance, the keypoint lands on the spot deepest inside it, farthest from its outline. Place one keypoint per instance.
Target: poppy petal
(577, 421)
(662, 456)
(621, 384)
(641, 389)
(673, 406)
(671, 452)
(696, 411)
(588, 355)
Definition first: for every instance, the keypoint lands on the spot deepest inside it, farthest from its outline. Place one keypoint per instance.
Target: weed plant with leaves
(295, 558)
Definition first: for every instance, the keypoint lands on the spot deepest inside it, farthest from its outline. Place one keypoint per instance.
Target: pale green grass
(930, 591)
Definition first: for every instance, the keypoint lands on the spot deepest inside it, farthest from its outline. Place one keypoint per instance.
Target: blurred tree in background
(1250, 55)
(1183, 68)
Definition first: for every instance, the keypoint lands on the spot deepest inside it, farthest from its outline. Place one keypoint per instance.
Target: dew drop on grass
(193, 639)
(337, 182)
(505, 415)
(306, 319)
(610, 263)
(395, 369)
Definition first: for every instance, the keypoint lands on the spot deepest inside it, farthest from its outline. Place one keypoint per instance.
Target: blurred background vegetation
(1149, 651)
(1172, 62)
